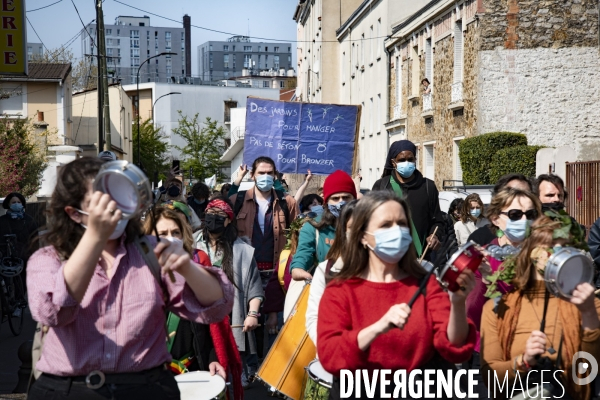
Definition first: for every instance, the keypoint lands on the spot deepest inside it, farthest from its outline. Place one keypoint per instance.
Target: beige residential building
(495, 65)
(317, 50)
(363, 76)
(45, 97)
(85, 122)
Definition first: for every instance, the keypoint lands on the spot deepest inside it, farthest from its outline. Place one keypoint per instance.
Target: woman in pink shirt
(103, 307)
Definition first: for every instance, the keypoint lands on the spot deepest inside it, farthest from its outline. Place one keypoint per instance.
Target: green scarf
(413, 230)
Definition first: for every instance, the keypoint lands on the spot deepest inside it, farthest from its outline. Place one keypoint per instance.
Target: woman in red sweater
(362, 308)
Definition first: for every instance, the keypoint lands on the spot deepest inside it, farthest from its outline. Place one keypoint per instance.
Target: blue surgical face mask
(391, 244)
(336, 208)
(406, 169)
(199, 201)
(16, 207)
(516, 231)
(317, 209)
(264, 183)
(476, 212)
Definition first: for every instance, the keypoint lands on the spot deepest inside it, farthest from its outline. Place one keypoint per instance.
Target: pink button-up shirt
(120, 324)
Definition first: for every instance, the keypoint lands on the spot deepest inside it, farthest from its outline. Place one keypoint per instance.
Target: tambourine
(127, 185)
(467, 256)
(565, 270)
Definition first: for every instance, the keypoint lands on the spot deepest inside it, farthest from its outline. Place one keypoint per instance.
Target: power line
(36, 34)
(237, 34)
(41, 8)
(84, 27)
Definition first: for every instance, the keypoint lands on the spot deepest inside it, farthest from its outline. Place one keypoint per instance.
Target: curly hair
(200, 191)
(72, 185)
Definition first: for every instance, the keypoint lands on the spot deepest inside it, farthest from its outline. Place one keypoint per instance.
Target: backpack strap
(284, 207)
(239, 202)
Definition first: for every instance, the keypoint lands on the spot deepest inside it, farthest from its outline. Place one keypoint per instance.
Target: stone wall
(527, 24)
(551, 95)
(446, 124)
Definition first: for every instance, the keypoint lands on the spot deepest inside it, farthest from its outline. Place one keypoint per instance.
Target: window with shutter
(429, 161)
(428, 61)
(415, 71)
(398, 80)
(458, 52)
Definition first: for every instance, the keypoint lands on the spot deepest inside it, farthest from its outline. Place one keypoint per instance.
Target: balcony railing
(397, 112)
(457, 92)
(237, 134)
(427, 102)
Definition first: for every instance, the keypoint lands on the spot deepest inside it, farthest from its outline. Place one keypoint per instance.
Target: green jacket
(305, 256)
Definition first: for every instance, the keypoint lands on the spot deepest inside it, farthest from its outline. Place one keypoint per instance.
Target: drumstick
(427, 247)
(597, 292)
(425, 280)
(241, 326)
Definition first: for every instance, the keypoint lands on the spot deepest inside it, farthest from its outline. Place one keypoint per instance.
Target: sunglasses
(307, 215)
(515, 215)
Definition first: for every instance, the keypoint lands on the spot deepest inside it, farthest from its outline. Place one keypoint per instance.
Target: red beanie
(338, 182)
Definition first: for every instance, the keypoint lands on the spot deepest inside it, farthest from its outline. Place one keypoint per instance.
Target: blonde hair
(503, 198)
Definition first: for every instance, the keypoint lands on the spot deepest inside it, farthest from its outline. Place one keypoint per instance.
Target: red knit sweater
(348, 307)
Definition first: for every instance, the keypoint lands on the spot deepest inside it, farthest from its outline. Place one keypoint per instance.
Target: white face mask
(119, 229)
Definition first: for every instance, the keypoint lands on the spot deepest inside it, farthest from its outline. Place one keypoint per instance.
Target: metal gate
(583, 186)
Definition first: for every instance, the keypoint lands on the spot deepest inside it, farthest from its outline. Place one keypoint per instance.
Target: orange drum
(284, 367)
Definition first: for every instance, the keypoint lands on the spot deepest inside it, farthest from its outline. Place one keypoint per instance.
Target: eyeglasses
(309, 214)
(515, 215)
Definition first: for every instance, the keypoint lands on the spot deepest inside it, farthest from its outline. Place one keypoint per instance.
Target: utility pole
(98, 6)
(103, 98)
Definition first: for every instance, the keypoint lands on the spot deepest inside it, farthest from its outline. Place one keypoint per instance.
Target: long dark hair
(72, 185)
(356, 256)
(224, 242)
(339, 244)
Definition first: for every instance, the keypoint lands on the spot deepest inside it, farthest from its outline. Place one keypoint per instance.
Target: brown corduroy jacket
(245, 219)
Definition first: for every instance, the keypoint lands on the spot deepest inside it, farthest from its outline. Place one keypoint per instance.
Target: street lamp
(168, 53)
(154, 104)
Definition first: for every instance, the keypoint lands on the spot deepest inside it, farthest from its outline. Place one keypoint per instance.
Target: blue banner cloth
(301, 136)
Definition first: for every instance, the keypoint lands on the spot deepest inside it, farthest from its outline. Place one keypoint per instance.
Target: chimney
(40, 116)
(187, 21)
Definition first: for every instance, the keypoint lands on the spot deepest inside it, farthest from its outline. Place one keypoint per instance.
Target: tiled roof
(57, 71)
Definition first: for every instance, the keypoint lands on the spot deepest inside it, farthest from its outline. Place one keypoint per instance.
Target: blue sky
(267, 18)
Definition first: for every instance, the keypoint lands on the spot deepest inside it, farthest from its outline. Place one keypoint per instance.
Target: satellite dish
(316, 67)
(298, 93)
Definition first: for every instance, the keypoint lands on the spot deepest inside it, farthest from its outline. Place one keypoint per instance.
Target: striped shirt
(120, 324)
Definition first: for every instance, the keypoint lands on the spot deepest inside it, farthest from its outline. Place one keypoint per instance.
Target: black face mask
(215, 223)
(555, 206)
(174, 191)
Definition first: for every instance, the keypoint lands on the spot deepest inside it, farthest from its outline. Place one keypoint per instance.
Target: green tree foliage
(22, 161)
(204, 146)
(476, 155)
(518, 159)
(154, 150)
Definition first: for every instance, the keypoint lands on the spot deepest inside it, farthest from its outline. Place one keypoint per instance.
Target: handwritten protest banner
(301, 136)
